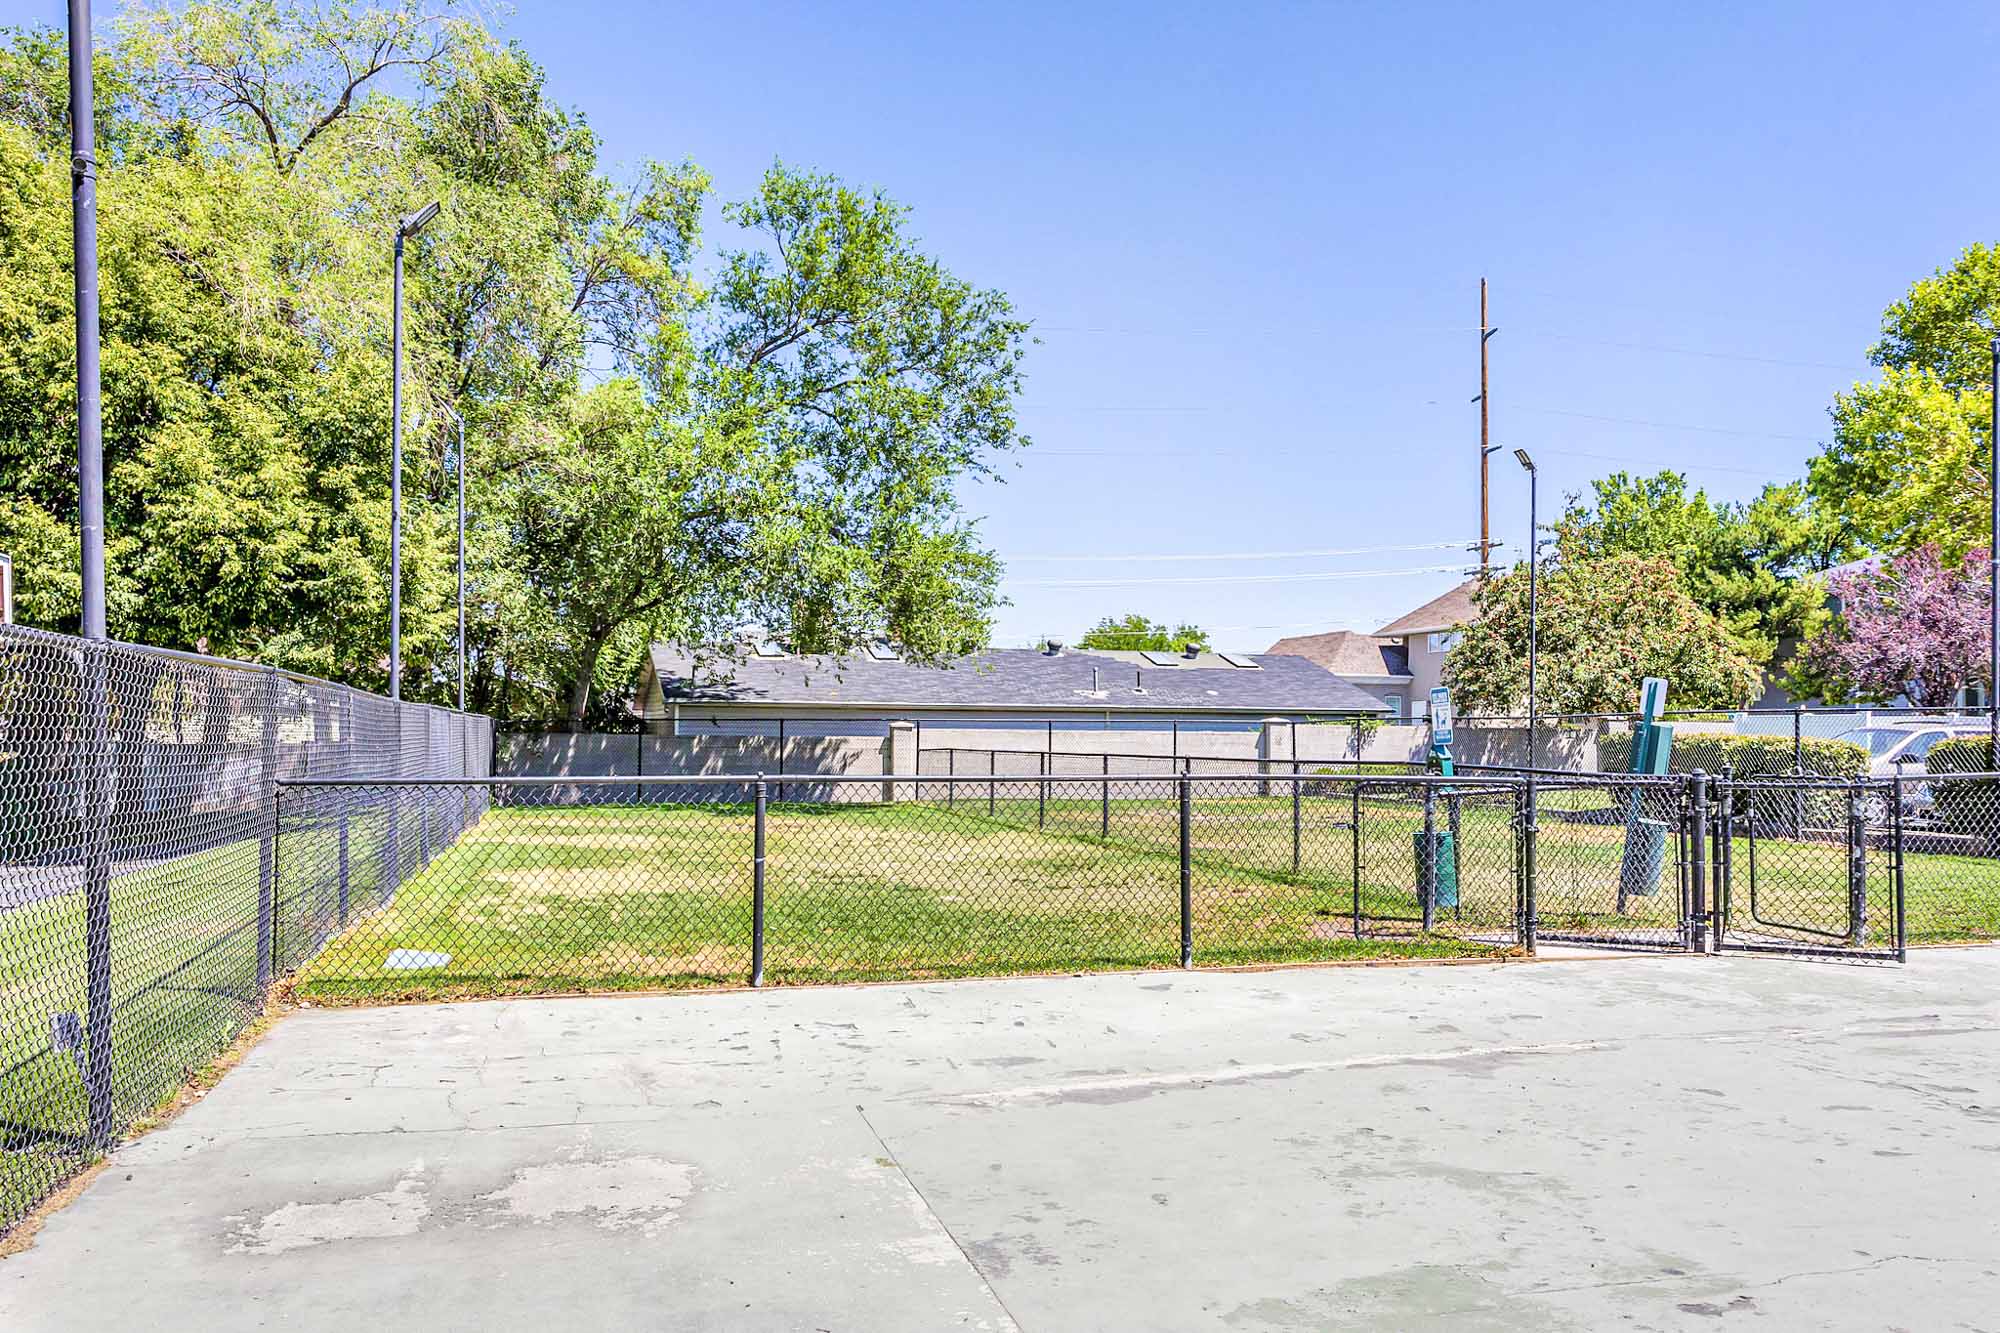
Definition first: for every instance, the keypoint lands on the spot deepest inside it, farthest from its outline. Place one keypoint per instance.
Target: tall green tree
(782, 439)
(1753, 566)
(1910, 457)
(1134, 633)
(1603, 626)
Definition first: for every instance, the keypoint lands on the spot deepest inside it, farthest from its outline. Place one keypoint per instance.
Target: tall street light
(1534, 608)
(459, 468)
(405, 229)
(98, 785)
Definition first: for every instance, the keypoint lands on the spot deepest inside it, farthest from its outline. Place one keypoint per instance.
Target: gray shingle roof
(1013, 678)
(1347, 653)
(1453, 609)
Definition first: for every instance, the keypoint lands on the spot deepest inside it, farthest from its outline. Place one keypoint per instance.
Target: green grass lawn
(622, 897)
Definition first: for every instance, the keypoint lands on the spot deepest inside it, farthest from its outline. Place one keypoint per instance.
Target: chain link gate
(1615, 864)
(1808, 867)
(1434, 855)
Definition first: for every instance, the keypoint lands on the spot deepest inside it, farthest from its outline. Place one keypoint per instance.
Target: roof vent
(1052, 648)
(1190, 650)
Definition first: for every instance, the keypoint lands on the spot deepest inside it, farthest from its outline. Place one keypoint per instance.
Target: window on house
(1442, 643)
(1395, 702)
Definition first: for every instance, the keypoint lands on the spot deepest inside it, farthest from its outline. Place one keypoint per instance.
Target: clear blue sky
(1250, 238)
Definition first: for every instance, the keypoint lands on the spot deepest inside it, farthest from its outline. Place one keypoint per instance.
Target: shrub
(1747, 756)
(1965, 807)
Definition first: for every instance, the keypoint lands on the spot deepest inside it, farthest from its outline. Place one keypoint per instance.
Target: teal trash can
(1645, 858)
(1445, 892)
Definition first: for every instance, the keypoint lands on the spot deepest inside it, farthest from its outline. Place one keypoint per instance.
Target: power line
(1667, 425)
(1236, 578)
(1251, 555)
(1322, 331)
(1693, 351)
(1672, 464)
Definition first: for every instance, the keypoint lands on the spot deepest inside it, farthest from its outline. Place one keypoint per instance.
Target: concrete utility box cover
(413, 960)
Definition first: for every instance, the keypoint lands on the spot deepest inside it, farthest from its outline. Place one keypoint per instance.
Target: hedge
(1747, 756)
(1965, 807)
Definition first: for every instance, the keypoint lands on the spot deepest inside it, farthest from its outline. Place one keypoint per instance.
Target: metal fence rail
(702, 881)
(143, 912)
(253, 824)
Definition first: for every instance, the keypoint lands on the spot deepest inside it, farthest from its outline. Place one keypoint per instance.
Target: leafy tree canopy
(1134, 633)
(1604, 625)
(1752, 566)
(1909, 461)
(1912, 626)
(776, 434)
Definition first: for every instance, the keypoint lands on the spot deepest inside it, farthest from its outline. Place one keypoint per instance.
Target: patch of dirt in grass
(613, 960)
(618, 841)
(594, 882)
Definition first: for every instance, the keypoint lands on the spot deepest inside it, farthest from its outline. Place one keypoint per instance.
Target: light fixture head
(1526, 461)
(418, 220)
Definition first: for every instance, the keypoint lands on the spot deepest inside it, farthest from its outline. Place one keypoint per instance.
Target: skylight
(1239, 660)
(1162, 659)
(883, 652)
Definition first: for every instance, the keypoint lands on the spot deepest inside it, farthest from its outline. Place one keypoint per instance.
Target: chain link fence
(176, 832)
(144, 907)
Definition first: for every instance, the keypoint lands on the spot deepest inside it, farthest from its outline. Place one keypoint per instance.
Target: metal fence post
(1896, 865)
(1104, 803)
(97, 890)
(1798, 771)
(992, 769)
(1721, 868)
(1427, 865)
(1529, 869)
(1857, 864)
(392, 799)
(950, 771)
(341, 838)
(267, 843)
(1187, 874)
(1694, 908)
(757, 890)
(1295, 800)
(1042, 796)
(1354, 840)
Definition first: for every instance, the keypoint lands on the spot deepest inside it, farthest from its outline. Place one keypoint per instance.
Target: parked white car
(1901, 747)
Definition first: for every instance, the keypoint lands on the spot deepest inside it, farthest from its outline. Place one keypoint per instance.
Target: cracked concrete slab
(1672, 1143)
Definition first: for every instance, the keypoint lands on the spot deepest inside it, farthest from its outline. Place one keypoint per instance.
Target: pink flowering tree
(1912, 625)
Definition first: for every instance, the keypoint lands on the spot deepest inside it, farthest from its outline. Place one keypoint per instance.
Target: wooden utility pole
(1486, 332)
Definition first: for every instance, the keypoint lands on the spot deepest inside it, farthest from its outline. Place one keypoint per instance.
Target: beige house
(1426, 635)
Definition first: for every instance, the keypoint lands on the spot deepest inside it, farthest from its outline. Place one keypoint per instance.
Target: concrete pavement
(1650, 1143)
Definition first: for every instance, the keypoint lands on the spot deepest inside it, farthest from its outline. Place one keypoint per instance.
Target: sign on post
(1440, 716)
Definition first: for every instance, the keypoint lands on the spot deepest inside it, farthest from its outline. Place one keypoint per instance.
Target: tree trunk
(586, 671)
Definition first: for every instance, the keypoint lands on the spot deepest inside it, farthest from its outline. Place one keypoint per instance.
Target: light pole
(405, 229)
(98, 1066)
(460, 470)
(1534, 607)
